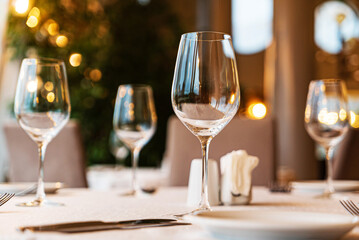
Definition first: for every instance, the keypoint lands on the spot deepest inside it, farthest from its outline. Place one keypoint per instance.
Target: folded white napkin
(236, 171)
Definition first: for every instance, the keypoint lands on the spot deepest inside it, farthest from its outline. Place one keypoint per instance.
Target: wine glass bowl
(326, 119)
(134, 121)
(118, 150)
(42, 107)
(205, 90)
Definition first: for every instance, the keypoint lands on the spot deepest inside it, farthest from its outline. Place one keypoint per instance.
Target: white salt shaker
(195, 183)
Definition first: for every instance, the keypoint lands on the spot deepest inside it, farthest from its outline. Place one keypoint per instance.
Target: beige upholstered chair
(346, 157)
(254, 136)
(64, 158)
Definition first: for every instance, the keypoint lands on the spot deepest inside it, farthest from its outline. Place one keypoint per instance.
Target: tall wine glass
(205, 90)
(42, 108)
(134, 121)
(326, 120)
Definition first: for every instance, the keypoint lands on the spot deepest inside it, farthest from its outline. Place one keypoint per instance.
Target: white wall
(5, 91)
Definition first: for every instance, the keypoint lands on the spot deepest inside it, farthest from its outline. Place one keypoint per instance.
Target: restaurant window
(335, 23)
(337, 55)
(252, 25)
(252, 32)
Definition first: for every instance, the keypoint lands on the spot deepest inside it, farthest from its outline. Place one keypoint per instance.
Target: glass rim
(193, 36)
(328, 80)
(44, 61)
(135, 85)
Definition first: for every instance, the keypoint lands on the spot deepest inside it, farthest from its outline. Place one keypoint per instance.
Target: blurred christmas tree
(104, 43)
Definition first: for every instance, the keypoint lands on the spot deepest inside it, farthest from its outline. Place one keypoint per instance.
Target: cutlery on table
(350, 206)
(148, 190)
(5, 197)
(281, 188)
(29, 190)
(119, 227)
(77, 227)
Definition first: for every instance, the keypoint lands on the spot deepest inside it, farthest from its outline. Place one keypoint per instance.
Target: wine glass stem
(328, 159)
(134, 152)
(40, 193)
(204, 204)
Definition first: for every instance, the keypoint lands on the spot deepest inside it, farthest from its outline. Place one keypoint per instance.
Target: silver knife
(54, 227)
(118, 227)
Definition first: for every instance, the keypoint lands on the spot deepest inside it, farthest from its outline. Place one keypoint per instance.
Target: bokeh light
(257, 110)
(307, 112)
(49, 86)
(62, 41)
(342, 114)
(75, 59)
(34, 12)
(20, 6)
(53, 28)
(328, 118)
(95, 75)
(354, 120)
(31, 86)
(32, 21)
(50, 97)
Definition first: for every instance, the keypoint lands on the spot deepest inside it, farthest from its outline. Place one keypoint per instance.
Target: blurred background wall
(3, 112)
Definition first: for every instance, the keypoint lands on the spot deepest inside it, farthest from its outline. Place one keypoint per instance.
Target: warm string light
(328, 118)
(53, 28)
(20, 7)
(95, 75)
(50, 97)
(75, 59)
(354, 120)
(33, 17)
(61, 41)
(32, 22)
(50, 29)
(257, 110)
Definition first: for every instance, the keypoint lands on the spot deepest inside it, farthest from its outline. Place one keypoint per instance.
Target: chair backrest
(346, 157)
(254, 136)
(64, 158)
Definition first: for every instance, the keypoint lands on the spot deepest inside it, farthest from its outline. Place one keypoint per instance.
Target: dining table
(85, 204)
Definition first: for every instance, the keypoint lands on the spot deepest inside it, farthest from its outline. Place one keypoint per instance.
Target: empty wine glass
(205, 90)
(326, 120)
(134, 121)
(42, 108)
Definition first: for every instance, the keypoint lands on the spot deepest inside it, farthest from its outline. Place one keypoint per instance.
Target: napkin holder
(236, 177)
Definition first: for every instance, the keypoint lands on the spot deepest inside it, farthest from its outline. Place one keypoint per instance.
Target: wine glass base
(140, 192)
(335, 196)
(130, 193)
(40, 203)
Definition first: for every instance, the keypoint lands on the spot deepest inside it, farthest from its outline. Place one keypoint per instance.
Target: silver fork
(350, 206)
(5, 197)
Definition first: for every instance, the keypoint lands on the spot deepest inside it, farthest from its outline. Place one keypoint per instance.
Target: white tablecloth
(102, 177)
(86, 204)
